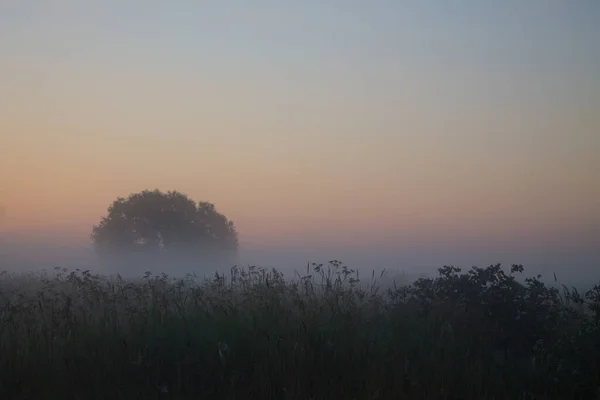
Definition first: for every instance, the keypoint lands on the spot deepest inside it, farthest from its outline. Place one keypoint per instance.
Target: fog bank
(579, 267)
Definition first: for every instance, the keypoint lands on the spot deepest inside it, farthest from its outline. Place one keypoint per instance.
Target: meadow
(485, 333)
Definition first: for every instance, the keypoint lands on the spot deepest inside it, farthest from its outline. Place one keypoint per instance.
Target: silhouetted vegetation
(482, 334)
(152, 225)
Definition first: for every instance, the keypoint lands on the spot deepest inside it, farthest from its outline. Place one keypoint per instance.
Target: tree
(156, 223)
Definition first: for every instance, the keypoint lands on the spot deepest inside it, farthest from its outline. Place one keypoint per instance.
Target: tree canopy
(158, 222)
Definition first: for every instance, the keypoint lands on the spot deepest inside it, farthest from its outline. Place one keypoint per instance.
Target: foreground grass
(252, 335)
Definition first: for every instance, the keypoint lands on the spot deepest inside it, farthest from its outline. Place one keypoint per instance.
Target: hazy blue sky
(432, 128)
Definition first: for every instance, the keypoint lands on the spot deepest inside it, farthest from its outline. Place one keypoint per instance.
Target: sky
(424, 131)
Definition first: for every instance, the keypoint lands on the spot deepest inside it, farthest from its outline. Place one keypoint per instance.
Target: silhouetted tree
(153, 223)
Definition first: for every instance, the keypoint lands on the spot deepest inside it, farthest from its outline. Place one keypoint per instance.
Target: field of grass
(479, 334)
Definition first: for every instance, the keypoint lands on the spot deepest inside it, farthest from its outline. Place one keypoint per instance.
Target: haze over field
(398, 135)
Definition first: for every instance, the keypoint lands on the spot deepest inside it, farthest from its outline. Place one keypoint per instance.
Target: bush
(475, 335)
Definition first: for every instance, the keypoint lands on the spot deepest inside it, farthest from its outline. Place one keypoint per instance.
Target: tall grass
(325, 335)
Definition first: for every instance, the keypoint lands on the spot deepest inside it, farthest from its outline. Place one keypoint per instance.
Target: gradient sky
(309, 123)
